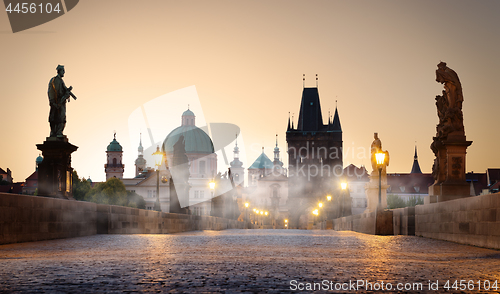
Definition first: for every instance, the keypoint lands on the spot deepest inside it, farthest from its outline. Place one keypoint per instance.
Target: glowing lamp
(286, 221)
(320, 205)
(261, 212)
(158, 156)
(380, 158)
(212, 185)
(246, 204)
(265, 213)
(329, 198)
(343, 185)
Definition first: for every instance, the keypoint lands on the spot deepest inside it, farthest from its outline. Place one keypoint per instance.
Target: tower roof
(336, 121)
(310, 118)
(262, 162)
(114, 145)
(415, 169)
(188, 113)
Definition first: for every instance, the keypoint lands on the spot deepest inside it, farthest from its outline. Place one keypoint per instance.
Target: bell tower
(114, 167)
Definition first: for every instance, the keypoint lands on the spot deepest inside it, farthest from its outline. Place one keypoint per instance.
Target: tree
(136, 200)
(394, 201)
(110, 192)
(80, 187)
(413, 200)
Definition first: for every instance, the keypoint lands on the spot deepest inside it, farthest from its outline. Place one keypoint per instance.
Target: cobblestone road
(251, 261)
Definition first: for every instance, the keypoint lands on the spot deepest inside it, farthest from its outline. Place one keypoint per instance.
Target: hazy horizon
(377, 59)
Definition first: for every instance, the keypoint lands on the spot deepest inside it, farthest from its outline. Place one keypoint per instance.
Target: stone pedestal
(449, 170)
(371, 190)
(55, 173)
(384, 222)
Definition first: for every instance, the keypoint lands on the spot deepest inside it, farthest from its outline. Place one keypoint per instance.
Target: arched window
(114, 161)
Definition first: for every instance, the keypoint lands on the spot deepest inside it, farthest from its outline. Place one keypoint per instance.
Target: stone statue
(375, 148)
(449, 105)
(58, 95)
(450, 144)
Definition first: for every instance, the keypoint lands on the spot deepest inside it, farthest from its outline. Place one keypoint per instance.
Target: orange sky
(246, 59)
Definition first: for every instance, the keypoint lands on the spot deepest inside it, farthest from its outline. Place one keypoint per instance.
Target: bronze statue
(58, 95)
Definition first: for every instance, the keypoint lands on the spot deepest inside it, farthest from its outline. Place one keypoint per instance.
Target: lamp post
(329, 207)
(158, 156)
(316, 213)
(211, 184)
(343, 185)
(246, 207)
(286, 223)
(380, 158)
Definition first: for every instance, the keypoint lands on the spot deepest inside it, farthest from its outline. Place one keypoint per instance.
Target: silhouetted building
(31, 183)
(314, 156)
(6, 175)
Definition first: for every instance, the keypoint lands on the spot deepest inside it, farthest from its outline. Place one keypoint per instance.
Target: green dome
(195, 139)
(39, 159)
(188, 113)
(114, 146)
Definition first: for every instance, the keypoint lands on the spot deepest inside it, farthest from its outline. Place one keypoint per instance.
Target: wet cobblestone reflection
(251, 261)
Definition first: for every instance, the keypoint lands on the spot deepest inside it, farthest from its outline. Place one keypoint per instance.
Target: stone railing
(30, 218)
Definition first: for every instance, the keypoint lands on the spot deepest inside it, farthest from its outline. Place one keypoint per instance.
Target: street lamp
(329, 197)
(380, 158)
(158, 156)
(343, 185)
(246, 208)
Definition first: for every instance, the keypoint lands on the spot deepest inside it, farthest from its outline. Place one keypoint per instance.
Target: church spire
(277, 161)
(415, 169)
(336, 120)
(140, 149)
(288, 128)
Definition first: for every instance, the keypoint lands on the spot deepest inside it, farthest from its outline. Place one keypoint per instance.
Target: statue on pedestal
(55, 172)
(377, 183)
(58, 95)
(449, 145)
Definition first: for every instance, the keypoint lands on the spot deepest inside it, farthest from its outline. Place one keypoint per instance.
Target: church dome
(39, 159)
(195, 139)
(188, 113)
(114, 146)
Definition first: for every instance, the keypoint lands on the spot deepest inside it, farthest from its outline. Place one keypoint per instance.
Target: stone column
(371, 190)
(55, 173)
(450, 170)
